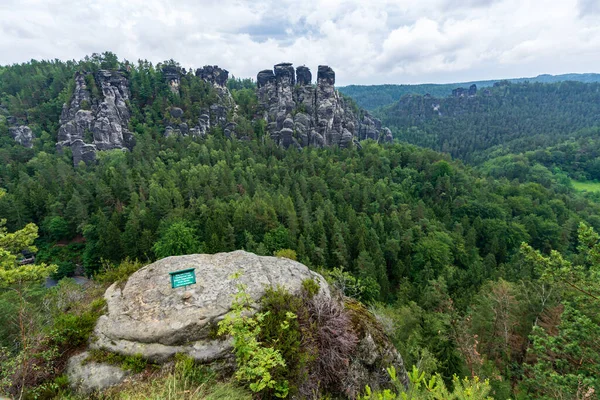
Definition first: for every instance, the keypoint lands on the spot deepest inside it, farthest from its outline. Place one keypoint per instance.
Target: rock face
(90, 377)
(96, 117)
(300, 114)
(147, 316)
(22, 135)
(215, 115)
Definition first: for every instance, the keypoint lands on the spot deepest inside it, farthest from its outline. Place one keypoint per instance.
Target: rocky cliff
(97, 116)
(215, 115)
(301, 114)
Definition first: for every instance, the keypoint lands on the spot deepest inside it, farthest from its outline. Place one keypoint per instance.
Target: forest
(481, 265)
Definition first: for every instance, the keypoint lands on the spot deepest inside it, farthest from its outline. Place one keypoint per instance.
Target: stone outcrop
(146, 316)
(463, 92)
(22, 135)
(96, 117)
(172, 75)
(213, 74)
(215, 115)
(88, 377)
(301, 114)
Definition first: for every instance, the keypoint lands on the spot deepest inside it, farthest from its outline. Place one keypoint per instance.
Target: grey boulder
(148, 317)
(90, 377)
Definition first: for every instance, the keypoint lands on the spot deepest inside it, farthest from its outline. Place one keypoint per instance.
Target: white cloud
(379, 41)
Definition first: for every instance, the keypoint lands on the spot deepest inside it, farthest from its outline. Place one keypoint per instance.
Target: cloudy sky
(365, 41)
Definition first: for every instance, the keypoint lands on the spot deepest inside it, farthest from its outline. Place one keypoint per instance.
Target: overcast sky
(366, 41)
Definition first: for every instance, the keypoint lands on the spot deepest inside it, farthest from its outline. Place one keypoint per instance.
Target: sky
(365, 41)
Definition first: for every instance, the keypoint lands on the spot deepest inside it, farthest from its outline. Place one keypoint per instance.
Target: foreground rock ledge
(146, 316)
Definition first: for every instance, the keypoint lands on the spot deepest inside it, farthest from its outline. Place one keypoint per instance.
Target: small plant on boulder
(255, 361)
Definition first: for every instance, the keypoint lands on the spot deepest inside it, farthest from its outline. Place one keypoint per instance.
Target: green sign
(183, 278)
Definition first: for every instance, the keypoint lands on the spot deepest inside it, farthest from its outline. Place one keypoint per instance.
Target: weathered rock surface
(147, 316)
(89, 377)
(22, 135)
(320, 115)
(92, 122)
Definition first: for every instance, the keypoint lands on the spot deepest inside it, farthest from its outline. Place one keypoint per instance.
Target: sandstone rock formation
(215, 115)
(300, 114)
(22, 135)
(172, 75)
(463, 92)
(96, 117)
(146, 316)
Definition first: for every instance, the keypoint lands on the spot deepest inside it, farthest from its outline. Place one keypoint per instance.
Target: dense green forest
(487, 271)
(371, 97)
(509, 118)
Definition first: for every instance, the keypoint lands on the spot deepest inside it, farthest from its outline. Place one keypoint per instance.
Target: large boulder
(148, 317)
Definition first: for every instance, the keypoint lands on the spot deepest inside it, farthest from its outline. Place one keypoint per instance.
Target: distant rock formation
(463, 92)
(301, 114)
(22, 135)
(215, 115)
(96, 118)
(172, 75)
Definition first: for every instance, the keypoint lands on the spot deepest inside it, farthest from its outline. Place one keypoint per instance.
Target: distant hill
(371, 97)
(516, 116)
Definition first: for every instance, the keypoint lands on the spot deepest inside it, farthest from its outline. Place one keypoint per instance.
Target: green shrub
(255, 361)
(120, 273)
(434, 388)
(286, 253)
(73, 330)
(363, 289)
(65, 269)
(55, 389)
(135, 363)
(310, 287)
